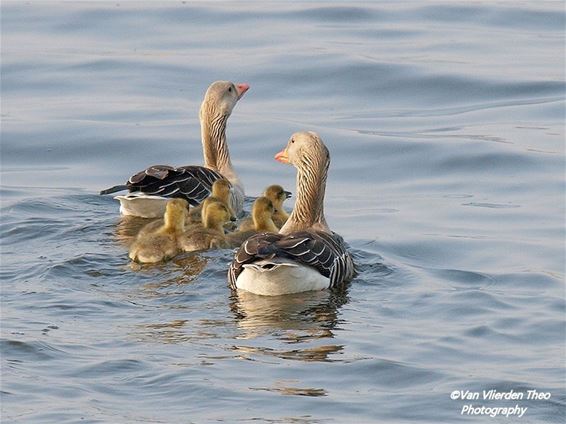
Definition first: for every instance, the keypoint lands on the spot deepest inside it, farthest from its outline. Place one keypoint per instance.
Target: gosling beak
(282, 156)
(241, 88)
(288, 194)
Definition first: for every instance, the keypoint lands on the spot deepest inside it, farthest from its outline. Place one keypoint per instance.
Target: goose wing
(189, 182)
(322, 251)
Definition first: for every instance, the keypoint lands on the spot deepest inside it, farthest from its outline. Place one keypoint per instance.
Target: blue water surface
(445, 123)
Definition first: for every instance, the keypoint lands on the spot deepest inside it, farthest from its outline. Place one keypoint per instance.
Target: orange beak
(282, 156)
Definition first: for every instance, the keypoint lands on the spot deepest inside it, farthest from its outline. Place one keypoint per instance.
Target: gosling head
(276, 194)
(216, 214)
(176, 213)
(221, 97)
(221, 189)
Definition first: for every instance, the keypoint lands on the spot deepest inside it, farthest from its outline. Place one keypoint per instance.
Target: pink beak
(242, 88)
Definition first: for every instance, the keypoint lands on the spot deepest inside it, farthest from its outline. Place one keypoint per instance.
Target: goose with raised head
(159, 243)
(305, 255)
(150, 188)
(262, 219)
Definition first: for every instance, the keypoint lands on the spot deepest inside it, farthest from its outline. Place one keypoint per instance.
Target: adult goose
(150, 188)
(305, 255)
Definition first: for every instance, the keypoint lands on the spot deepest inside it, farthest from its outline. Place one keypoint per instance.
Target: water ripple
(445, 126)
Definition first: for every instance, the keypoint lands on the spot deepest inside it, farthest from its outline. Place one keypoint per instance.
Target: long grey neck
(309, 206)
(214, 147)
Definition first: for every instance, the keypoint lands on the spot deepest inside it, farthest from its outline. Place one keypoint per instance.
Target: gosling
(221, 191)
(160, 243)
(277, 195)
(211, 234)
(262, 218)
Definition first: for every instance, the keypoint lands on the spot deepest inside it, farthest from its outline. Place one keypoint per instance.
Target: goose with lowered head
(150, 188)
(305, 255)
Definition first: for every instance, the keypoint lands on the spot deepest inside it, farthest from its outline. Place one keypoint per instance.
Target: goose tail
(114, 189)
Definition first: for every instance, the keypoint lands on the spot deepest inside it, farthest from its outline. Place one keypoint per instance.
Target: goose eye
(230, 89)
(292, 140)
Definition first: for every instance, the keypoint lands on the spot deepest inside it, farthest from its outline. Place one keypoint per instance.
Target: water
(445, 122)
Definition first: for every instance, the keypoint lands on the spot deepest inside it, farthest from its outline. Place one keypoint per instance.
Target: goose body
(157, 243)
(286, 278)
(149, 189)
(276, 264)
(305, 255)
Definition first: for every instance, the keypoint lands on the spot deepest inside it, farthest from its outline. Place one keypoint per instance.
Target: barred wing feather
(189, 182)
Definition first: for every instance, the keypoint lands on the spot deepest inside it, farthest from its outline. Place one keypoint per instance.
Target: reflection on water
(188, 266)
(308, 354)
(255, 313)
(293, 319)
(166, 332)
(128, 227)
(283, 389)
(304, 322)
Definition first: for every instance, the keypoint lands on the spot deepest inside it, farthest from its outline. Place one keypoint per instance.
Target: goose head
(307, 152)
(216, 214)
(221, 97)
(304, 150)
(176, 213)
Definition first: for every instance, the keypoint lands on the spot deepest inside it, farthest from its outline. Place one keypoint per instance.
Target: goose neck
(215, 149)
(309, 206)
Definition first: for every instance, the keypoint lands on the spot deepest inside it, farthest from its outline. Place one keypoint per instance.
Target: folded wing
(192, 183)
